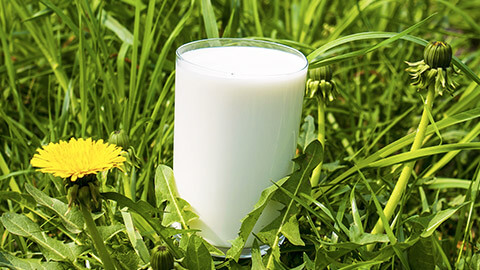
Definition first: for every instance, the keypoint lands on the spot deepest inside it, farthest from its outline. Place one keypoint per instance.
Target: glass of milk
(238, 106)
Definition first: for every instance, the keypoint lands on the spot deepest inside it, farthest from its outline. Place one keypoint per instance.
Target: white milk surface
(237, 116)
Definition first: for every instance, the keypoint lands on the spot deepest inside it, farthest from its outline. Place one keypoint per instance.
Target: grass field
(85, 69)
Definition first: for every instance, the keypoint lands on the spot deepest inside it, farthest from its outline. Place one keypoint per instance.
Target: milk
(237, 116)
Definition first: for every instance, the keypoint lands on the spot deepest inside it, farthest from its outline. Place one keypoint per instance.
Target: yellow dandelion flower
(77, 158)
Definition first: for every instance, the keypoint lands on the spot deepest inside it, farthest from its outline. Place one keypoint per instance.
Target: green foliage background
(87, 68)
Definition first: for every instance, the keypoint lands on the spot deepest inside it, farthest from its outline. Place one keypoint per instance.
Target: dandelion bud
(120, 138)
(161, 258)
(438, 54)
(95, 196)
(321, 83)
(321, 73)
(435, 69)
(84, 196)
(72, 194)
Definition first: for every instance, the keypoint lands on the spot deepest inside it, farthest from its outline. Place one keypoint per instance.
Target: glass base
(246, 252)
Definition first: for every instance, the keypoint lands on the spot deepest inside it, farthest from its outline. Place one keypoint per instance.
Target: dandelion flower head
(77, 158)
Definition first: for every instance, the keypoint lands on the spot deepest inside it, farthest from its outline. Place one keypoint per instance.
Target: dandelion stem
(407, 169)
(97, 239)
(321, 137)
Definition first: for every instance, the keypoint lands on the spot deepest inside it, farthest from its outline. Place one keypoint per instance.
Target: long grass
(88, 68)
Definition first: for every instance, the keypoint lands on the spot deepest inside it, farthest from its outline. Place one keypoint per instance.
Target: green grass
(87, 68)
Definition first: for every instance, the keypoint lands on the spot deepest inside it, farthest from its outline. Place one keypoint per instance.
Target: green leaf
(197, 256)
(128, 260)
(121, 31)
(171, 215)
(324, 215)
(312, 57)
(291, 230)
(21, 199)
(278, 265)
(441, 183)
(367, 238)
(438, 218)
(72, 218)
(424, 152)
(379, 209)
(135, 237)
(14, 263)
(249, 221)
(178, 210)
(257, 263)
(107, 232)
(146, 211)
(269, 234)
(309, 264)
(209, 19)
(356, 216)
(421, 256)
(307, 134)
(66, 19)
(361, 265)
(52, 248)
(19, 224)
(297, 183)
(300, 267)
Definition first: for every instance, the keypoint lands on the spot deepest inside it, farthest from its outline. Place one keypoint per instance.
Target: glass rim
(245, 42)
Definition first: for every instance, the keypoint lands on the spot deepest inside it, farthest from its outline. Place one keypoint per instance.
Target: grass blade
(209, 19)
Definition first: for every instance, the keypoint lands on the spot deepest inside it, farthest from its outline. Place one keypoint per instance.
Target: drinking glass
(238, 106)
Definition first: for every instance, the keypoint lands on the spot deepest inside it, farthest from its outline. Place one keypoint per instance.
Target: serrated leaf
(178, 210)
(14, 263)
(257, 263)
(19, 224)
(197, 256)
(269, 232)
(146, 211)
(55, 250)
(128, 260)
(107, 232)
(170, 216)
(249, 221)
(307, 134)
(72, 219)
(291, 230)
(297, 183)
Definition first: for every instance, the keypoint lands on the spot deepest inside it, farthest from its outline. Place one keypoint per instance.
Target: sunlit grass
(87, 68)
